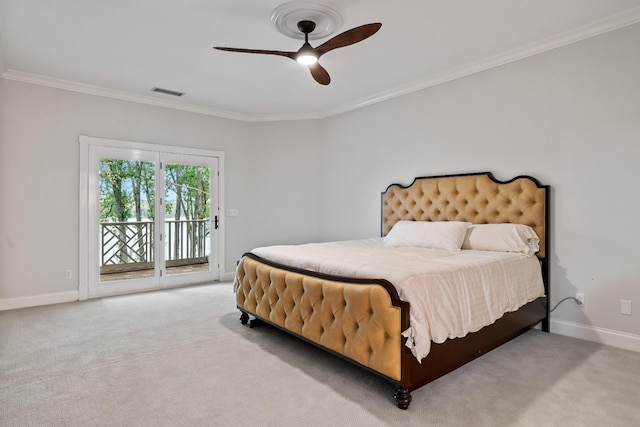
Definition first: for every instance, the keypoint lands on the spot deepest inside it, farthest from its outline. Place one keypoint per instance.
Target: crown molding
(21, 76)
(599, 27)
(84, 88)
(606, 25)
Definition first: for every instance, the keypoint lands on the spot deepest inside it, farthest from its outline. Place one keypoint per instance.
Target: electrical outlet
(68, 274)
(580, 299)
(233, 212)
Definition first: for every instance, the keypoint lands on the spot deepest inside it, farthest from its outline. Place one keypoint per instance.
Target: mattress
(451, 292)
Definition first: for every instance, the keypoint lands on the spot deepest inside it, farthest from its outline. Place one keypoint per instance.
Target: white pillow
(502, 238)
(427, 234)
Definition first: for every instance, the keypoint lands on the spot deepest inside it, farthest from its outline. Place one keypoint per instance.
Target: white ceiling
(123, 48)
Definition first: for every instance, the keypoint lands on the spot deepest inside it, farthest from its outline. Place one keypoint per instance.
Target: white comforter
(451, 293)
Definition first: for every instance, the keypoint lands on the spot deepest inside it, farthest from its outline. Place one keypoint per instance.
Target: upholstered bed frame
(362, 320)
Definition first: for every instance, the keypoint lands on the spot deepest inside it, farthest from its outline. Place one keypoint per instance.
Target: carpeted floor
(182, 358)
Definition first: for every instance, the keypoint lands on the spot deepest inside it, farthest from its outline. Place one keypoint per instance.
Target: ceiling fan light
(307, 59)
(306, 55)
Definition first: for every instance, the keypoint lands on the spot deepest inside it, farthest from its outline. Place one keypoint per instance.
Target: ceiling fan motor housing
(306, 27)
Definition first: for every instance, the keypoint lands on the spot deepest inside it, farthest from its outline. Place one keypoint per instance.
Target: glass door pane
(127, 211)
(187, 243)
(152, 219)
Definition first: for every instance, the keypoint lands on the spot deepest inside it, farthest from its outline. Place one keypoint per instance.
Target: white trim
(595, 334)
(84, 271)
(587, 31)
(83, 216)
(37, 300)
(222, 225)
(115, 143)
(41, 80)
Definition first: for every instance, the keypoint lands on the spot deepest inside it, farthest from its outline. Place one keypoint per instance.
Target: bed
(367, 319)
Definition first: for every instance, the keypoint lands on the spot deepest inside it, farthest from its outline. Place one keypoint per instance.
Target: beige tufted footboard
(357, 319)
(362, 320)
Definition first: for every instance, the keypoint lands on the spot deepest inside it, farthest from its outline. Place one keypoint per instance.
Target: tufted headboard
(478, 198)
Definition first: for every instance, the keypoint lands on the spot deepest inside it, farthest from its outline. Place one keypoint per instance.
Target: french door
(152, 217)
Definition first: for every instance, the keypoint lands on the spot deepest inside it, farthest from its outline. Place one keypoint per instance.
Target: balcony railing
(129, 246)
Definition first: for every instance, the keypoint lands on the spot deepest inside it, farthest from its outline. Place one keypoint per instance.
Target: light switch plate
(625, 307)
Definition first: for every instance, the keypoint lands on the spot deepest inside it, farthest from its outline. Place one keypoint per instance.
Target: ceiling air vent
(167, 91)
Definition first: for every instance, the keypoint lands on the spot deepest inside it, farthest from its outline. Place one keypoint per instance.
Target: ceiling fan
(308, 55)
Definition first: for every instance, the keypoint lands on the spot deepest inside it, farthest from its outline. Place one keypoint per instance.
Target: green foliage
(125, 182)
(190, 185)
(117, 181)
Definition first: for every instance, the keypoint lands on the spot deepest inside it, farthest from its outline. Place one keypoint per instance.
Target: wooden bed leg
(244, 318)
(254, 323)
(403, 397)
(545, 324)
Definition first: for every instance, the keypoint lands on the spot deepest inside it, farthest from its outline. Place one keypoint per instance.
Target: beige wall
(570, 117)
(39, 177)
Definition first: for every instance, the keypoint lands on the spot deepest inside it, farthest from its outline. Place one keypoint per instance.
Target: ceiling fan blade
(265, 52)
(320, 74)
(349, 37)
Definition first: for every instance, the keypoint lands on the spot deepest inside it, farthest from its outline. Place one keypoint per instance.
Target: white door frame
(86, 144)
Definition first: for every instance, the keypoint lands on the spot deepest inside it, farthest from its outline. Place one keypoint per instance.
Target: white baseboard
(36, 300)
(595, 334)
(60, 297)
